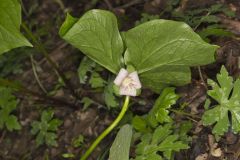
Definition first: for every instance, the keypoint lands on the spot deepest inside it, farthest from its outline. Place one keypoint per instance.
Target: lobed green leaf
(227, 93)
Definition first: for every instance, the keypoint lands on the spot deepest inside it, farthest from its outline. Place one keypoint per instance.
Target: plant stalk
(108, 130)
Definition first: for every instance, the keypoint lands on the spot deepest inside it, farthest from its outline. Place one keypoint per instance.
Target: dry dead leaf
(202, 157)
(215, 152)
(232, 25)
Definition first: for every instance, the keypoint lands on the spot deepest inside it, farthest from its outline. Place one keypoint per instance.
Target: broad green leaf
(96, 35)
(121, 145)
(162, 52)
(10, 21)
(161, 77)
(159, 112)
(68, 23)
(227, 94)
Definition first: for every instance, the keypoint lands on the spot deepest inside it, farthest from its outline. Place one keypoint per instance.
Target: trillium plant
(152, 55)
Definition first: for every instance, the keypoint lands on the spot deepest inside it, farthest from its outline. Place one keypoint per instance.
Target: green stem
(108, 130)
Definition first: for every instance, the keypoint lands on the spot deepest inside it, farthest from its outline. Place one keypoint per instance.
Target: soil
(45, 18)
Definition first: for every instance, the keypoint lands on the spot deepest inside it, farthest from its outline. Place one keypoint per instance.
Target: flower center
(128, 82)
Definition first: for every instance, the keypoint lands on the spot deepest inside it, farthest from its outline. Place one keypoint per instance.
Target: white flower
(128, 82)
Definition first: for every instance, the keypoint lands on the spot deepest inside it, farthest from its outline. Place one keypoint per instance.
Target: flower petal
(127, 91)
(135, 78)
(121, 76)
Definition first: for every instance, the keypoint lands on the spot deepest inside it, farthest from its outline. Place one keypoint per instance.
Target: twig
(199, 68)
(184, 113)
(36, 75)
(48, 99)
(61, 4)
(131, 3)
(109, 5)
(43, 60)
(201, 77)
(40, 47)
(2, 136)
(24, 8)
(25, 91)
(200, 22)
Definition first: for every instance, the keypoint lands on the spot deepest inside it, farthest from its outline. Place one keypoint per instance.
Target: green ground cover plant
(8, 104)
(45, 129)
(156, 55)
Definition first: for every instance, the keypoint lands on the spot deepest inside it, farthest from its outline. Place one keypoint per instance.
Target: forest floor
(44, 18)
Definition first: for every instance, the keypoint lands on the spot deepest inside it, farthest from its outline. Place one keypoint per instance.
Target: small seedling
(8, 104)
(78, 141)
(46, 129)
(68, 155)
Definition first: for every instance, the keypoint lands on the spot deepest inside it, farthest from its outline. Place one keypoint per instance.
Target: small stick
(131, 3)
(41, 49)
(23, 90)
(36, 75)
